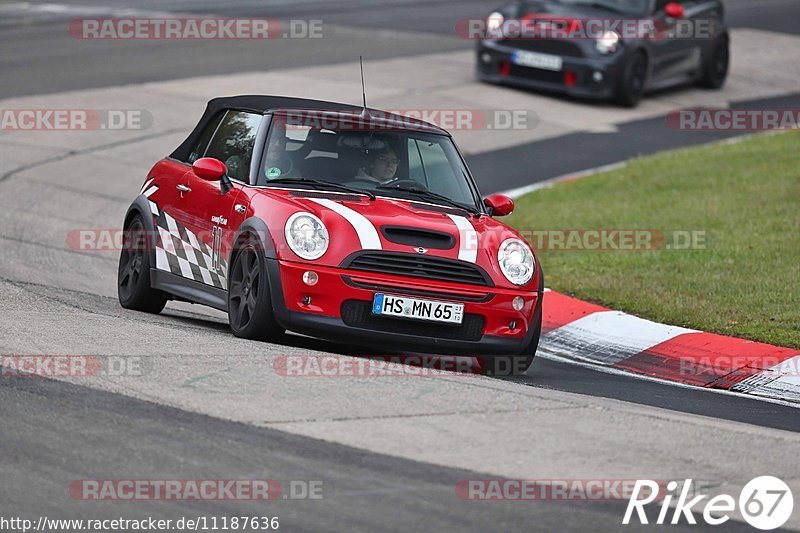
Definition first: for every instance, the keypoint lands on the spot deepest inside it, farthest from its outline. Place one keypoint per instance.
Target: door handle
(183, 188)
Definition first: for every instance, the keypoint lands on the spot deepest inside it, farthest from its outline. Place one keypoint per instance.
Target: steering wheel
(405, 182)
(356, 181)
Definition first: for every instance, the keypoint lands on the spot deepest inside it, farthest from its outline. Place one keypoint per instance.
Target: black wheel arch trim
(256, 226)
(141, 207)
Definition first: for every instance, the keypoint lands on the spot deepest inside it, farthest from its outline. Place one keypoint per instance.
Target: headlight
(307, 235)
(494, 24)
(516, 261)
(607, 43)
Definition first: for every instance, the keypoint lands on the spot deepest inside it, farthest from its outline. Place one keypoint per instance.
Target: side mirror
(499, 205)
(674, 10)
(209, 169)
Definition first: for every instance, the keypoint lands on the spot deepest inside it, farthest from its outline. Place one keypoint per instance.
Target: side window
(435, 164)
(200, 147)
(234, 141)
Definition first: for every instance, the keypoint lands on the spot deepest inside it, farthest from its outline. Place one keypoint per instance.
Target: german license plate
(537, 60)
(405, 307)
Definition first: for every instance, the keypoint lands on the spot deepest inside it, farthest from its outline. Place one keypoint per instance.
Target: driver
(381, 166)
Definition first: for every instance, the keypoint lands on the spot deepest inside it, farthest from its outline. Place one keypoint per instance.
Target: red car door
(198, 215)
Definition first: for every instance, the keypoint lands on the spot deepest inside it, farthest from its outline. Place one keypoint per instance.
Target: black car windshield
(365, 155)
(633, 7)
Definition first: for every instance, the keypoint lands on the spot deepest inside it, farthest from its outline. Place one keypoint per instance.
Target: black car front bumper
(592, 75)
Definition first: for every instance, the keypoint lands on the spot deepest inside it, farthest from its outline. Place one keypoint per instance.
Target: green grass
(745, 196)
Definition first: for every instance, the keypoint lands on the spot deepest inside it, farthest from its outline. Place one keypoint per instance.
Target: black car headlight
(607, 42)
(494, 25)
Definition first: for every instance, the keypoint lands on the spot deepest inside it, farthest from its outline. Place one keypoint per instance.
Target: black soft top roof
(263, 103)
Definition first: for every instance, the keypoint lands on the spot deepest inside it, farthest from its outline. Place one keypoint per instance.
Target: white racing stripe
(366, 231)
(467, 239)
(146, 185)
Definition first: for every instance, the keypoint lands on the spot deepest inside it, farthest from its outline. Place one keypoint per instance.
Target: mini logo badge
(421, 250)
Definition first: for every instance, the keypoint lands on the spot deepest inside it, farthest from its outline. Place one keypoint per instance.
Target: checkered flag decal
(181, 252)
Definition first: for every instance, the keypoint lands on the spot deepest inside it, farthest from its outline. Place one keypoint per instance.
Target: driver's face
(384, 167)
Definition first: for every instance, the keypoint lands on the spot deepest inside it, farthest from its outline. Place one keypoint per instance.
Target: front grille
(537, 74)
(358, 314)
(418, 266)
(546, 46)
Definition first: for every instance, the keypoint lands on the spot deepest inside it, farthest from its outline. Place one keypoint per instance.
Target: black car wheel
(133, 275)
(249, 307)
(631, 87)
(716, 64)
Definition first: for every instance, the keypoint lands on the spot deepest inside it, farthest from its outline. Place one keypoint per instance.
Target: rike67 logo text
(765, 503)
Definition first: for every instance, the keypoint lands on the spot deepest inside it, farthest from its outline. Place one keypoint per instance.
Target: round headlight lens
(306, 235)
(516, 261)
(494, 24)
(607, 42)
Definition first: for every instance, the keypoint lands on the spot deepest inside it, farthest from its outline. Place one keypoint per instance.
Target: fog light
(306, 300)
(486, 58)
(512, 325)
(518, 303)
(310, 278)
(597, 76)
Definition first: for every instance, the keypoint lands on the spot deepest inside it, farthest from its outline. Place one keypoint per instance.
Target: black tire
(250, 311)
(133, 275)
(634, 77)
(716, 64)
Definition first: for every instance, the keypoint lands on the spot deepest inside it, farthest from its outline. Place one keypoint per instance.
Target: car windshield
(327, 151)
(633, 7)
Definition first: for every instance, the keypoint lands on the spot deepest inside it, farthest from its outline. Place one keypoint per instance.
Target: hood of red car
(394, 225)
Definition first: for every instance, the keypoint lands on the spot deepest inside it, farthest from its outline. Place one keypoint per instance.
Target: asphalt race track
(203, 404)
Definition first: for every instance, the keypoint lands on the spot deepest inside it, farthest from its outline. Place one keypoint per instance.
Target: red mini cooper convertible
(335, 221)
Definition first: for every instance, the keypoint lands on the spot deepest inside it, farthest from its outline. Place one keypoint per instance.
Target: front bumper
(593, 76)
(338, 307)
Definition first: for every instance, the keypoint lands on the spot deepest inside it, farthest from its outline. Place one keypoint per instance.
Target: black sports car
(608, 49)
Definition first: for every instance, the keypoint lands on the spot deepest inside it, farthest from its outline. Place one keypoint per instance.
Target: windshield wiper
(322, 183)
(423, 193)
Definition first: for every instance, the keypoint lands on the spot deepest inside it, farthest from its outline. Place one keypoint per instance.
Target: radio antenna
(365, 112)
